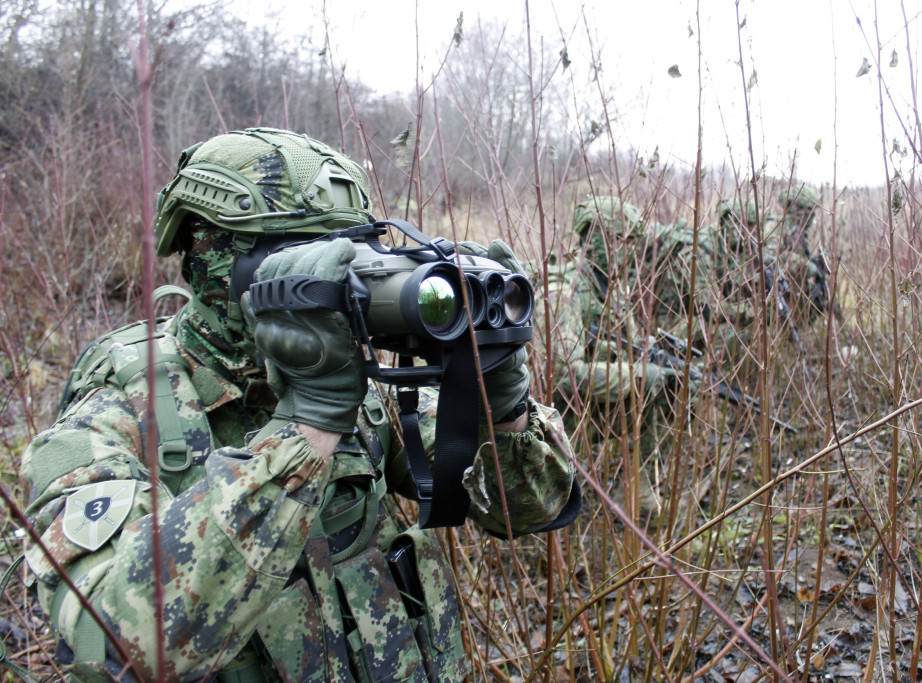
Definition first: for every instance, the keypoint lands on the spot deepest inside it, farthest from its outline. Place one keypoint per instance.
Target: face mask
(214, 322)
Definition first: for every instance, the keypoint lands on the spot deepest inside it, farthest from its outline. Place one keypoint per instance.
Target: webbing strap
(250, 673)
(333, 524)
(174, 453)
(443, 500)
(89, 639)
(171, 290)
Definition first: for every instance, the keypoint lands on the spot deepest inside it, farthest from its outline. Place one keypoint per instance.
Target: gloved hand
(312, 361)
(659, 378)
(507, 383)
(498, 250)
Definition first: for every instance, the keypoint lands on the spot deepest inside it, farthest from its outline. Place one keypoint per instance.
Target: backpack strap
(130, 365)
(120, 358)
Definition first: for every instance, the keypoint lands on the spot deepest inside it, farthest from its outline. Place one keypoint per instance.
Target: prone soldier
(597, 364)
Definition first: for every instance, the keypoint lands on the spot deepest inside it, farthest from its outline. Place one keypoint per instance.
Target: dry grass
(821, 570)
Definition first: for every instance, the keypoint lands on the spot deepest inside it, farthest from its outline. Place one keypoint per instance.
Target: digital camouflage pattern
(262, 181)
(610, 230)
(676, 258)
(806, 270)
(254, 549)
(274, 556)
(597, 374)
(242, 550)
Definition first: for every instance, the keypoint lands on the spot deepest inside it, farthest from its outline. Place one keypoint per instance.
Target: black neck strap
(443, 500)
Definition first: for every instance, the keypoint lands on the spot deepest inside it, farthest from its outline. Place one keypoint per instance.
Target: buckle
(378, 408)
(424, 490)
(174, 449)
(444, 247)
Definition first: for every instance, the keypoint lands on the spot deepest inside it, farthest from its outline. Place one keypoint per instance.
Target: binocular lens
(517, 300)
(438, 305)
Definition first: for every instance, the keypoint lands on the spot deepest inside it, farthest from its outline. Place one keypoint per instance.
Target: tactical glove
(506, 384)
(498, 251)
(312, 361)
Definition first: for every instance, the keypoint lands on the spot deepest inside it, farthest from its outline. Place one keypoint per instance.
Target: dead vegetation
(777, 554)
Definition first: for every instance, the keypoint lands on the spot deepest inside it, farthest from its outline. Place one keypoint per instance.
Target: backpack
(120, 357)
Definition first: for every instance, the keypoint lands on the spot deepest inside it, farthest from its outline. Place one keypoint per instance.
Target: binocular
(417, 302)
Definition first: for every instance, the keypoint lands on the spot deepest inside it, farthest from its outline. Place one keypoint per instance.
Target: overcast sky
(806, 54)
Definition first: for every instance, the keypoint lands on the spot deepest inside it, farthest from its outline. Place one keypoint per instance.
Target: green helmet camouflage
(802, 197)
(727, 207)
(263, 181)
(606, 211)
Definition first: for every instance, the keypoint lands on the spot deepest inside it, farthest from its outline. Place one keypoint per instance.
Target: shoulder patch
(93, 513)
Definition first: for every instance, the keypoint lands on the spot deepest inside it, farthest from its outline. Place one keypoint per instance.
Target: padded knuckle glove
(312, 362)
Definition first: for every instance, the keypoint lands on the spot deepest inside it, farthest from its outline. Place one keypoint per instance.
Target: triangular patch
(93, 513)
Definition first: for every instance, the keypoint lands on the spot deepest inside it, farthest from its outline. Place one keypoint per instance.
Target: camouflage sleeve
(229, 542)
(536, 470)
(535, 466)
(602, 373)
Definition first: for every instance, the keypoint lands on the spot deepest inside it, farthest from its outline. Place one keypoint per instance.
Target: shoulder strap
(120, 358)
(89, 371)
(129, 366)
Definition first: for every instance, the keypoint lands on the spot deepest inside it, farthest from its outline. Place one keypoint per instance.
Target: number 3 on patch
(93, 513)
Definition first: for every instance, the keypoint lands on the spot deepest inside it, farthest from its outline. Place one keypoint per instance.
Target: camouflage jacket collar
(218, 378)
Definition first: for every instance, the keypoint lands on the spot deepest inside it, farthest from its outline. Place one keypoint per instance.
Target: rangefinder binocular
(418, 302)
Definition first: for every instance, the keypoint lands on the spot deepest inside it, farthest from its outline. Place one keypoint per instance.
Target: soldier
(806, 270)
(735, 274)
(670, 272)
(597, 364)
(799, 205)
(282, 557)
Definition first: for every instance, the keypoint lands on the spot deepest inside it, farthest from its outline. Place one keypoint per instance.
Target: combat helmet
(263, 181)
(799, 204)
(606, 212)
(731, 207)
(802, 197)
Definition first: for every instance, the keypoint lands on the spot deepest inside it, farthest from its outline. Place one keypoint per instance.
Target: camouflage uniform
(594, 317)
(273, 557)
(734, 281)
(671, 275)
(807, 294)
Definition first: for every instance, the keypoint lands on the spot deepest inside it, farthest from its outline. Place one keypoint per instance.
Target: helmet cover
(263, 181)
(802, 197)
(606, 212)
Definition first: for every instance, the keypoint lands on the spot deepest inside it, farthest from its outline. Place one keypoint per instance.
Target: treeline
(68, 85)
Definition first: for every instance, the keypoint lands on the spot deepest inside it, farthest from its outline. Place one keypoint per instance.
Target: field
(733, 550)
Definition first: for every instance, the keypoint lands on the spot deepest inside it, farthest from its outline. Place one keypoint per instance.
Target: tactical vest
(368, 600)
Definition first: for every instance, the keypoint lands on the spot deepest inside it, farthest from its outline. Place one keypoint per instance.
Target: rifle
(659, 354)
(777, 279)
(819, 294)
